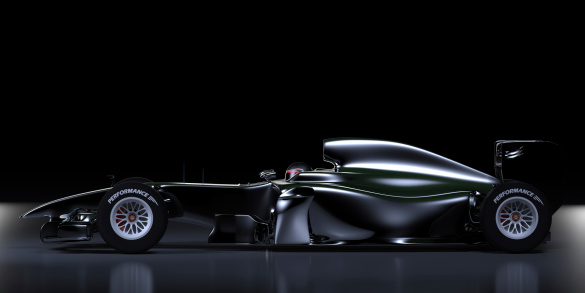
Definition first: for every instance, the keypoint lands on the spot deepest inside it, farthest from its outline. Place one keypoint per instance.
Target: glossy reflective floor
(180, 264)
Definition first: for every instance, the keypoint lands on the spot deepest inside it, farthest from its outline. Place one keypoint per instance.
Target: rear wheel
(132, 217)
(515, 217)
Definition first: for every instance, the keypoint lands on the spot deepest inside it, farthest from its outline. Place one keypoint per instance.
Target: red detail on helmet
(295, 170)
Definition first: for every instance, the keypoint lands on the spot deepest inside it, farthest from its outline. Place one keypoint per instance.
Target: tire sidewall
(146, 194)
(494, 202)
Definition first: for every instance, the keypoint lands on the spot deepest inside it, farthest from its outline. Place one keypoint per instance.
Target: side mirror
(113, 178)
(268, 174)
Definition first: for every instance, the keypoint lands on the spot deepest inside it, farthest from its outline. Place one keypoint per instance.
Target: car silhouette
(376, 191)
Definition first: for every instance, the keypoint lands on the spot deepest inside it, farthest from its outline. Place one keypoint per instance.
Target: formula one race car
(376, 192)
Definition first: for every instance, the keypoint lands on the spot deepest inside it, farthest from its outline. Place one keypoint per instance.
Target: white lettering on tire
(518, 190)
(133, 191)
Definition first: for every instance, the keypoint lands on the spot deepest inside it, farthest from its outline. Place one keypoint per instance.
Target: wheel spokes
(517, 218)
(132, 218)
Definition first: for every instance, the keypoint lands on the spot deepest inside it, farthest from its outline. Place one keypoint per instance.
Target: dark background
(231, 91)
(63, 151)
(84, 98)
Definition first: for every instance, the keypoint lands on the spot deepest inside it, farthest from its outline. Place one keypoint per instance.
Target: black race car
(375, 192)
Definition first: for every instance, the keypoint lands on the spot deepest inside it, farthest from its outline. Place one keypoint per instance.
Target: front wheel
(515, 217)
(132, 217)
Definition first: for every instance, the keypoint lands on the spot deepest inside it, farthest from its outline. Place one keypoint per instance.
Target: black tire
(132, 180)
(515, 217)
(132, 217)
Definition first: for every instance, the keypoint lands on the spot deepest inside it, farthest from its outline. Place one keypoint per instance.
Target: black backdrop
(64, 147)
(224, 105)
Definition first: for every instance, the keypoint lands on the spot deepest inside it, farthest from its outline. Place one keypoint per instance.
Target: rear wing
(536, 162)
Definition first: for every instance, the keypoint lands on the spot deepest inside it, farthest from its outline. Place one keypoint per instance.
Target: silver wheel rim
(517, 218)
(131, 218)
